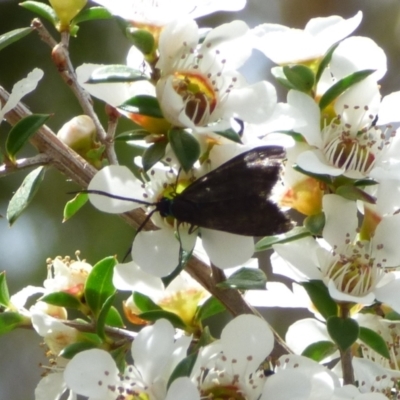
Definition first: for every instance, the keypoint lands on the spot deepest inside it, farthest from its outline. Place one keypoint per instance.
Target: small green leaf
(90, 14)
(351, 192)
(320, 350)
(365, 182)
(142, 39)
(344, 332)
(319, 177)
(9, 321)
(136, 134)
(185, 146)
(13, 36)
(22, 132)
(184, 368)
(144, 303)
(296, 233)
(99, 286)
(101, 319)
(116, 73)
(143, 105)
(211, 307)
(374, 341)
(153, 316)
(25, 193)
(153, 154)
(245, 279)
(73, 349)
(74, 205)
(62, 299)
(320, 297)
(42, 9)
(315, 223)
(114, 318)
(325, 62)
(230, 134)
(278, 74)
(342, 85)
(4, 294)
(300, 76)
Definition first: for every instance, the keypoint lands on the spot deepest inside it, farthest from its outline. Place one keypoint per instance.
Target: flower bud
(66, 10)
(78, 134)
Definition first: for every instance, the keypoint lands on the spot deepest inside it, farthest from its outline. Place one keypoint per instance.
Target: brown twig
(24, 163)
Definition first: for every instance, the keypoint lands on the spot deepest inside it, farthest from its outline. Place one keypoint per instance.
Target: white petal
(20, 89)
(156, 252)
(388, 111)
(253, 103)
(152, 349)
(227, 249)
(341, 296)
(90, 373)
(117, 181)
(247, 339)
(210, 6)
(340, 219)
(129, 276)
(389, 294)
(51, 386)
(19, 299)
(182, 389)
(314, 161)
(386, 235)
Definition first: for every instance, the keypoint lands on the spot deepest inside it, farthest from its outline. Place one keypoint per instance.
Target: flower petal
(182, 389)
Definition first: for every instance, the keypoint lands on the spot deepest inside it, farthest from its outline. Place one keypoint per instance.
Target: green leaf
(374, 341)
(99, 286)
(320, 350)
(4, 294)
(9, 321)
(211, 307)
(61, 299)
(73, 349)
(342, 85)
(300, 76)
(278, 74)
(90, 14)
(114, 318)
(22, 132)
(101, 319)
(25, 193)
(42, 9)
(155, 315)
(325, 62)
(74, 205)
(116, 73)
(184, 368)
(13, 36)
(245, 279)
(315, 223)
(319, 177)
(143, 105)
(153, 154)
(136, 134)
(119, 356)
(230, 134)
(351, 192)
(144, 303)
(296, 233)
(344, 332)
(365, 182)
(142, 39)
(185, 146)
(320, 297)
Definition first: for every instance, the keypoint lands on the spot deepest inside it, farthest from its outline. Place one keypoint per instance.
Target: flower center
(229, 392)
(198, 96)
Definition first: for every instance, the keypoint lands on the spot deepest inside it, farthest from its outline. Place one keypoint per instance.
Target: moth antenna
(113, 196)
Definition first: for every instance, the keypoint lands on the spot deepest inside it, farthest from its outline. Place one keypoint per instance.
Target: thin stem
(24, 163)
(346, 356)
(62, 60)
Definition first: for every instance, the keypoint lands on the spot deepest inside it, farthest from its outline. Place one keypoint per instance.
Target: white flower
(354, 271)
(161, 12)
(200, 84)
(93, 373)
(20, 89)
(285, 45)
(157, 252)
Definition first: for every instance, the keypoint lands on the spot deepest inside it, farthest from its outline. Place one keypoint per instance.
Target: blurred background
(39, 233)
